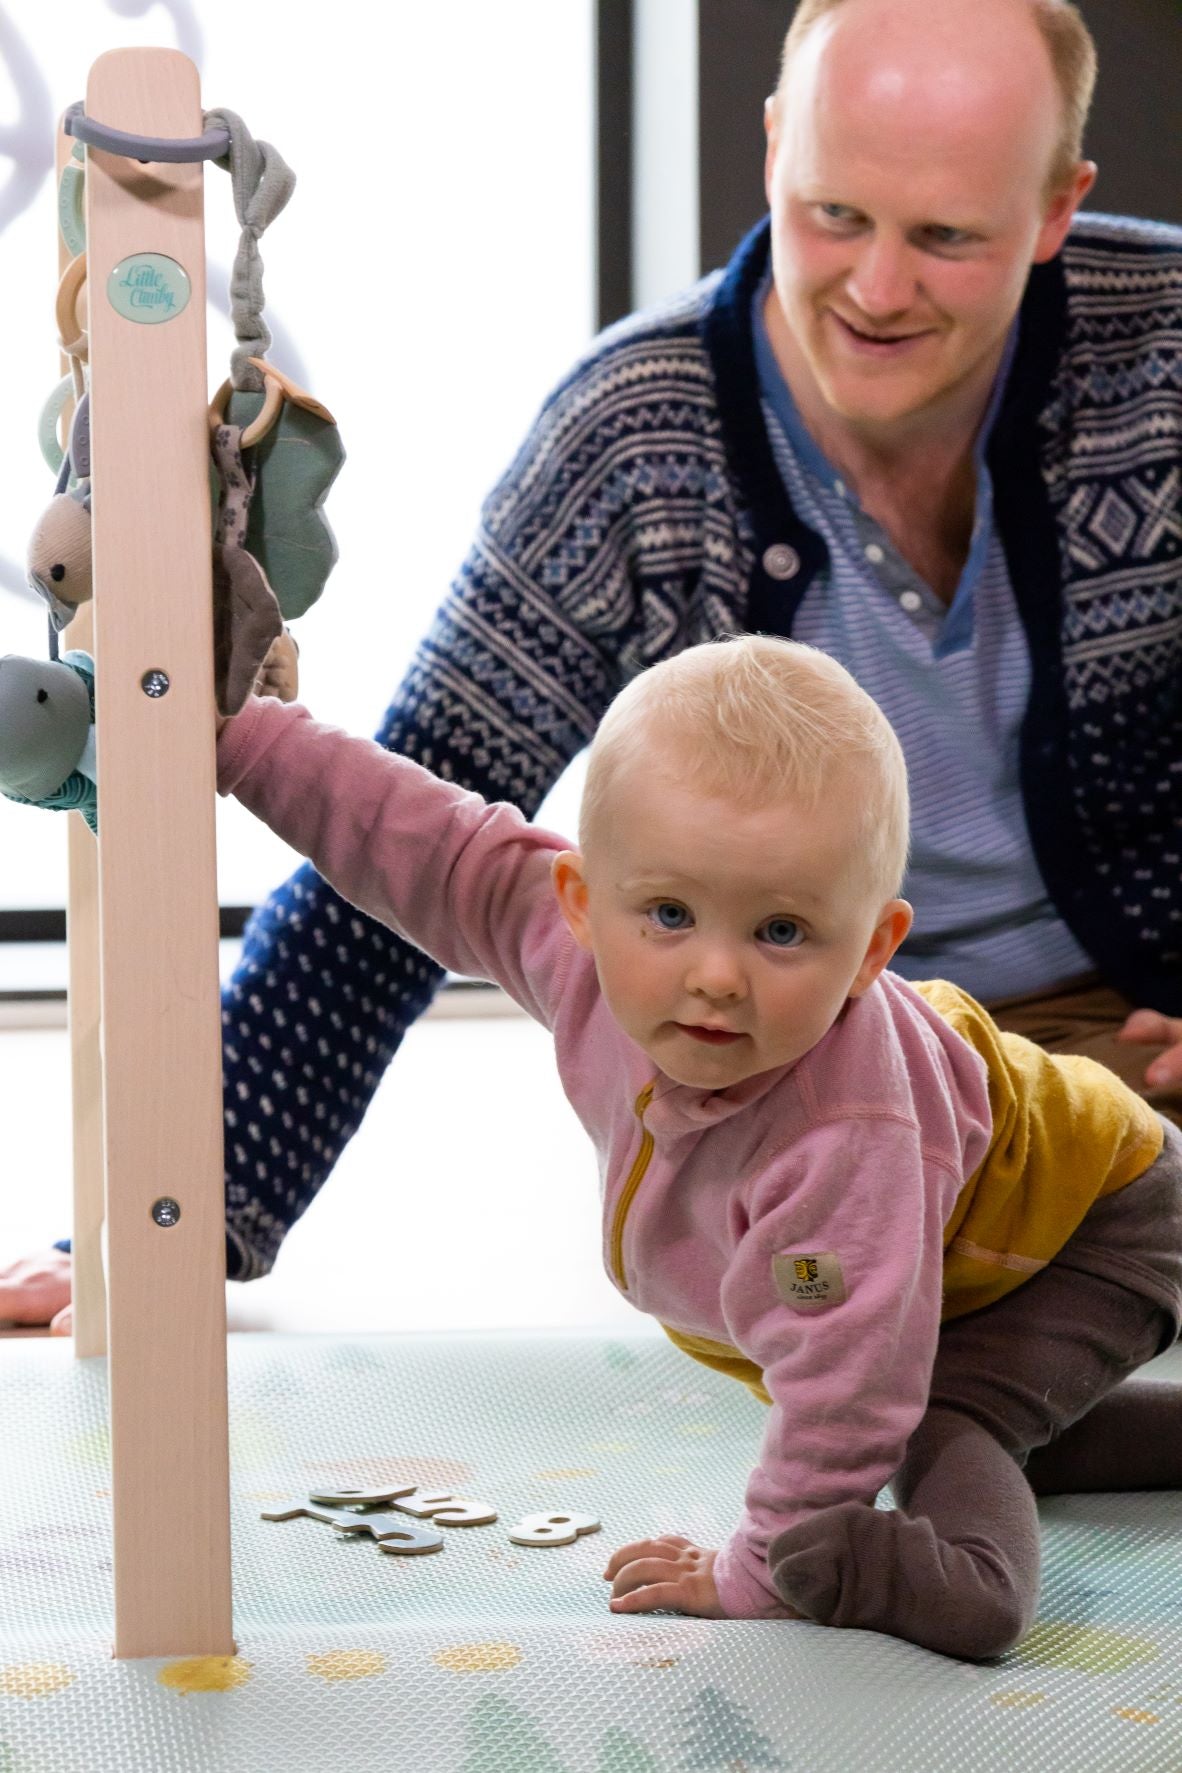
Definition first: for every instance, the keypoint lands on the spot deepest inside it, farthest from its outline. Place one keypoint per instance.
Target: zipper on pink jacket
(635, 1178)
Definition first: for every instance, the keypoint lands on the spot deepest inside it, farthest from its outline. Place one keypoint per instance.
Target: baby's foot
(880, 1570)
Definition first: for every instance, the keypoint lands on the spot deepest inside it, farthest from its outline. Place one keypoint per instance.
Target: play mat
(492, 1658)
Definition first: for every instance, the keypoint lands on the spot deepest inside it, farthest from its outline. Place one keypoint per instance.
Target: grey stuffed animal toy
(47, 752)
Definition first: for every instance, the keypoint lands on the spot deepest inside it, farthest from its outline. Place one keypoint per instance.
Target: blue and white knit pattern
(622, 533)
(1117, 496)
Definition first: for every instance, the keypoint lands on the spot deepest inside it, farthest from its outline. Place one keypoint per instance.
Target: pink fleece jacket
(797, 1217)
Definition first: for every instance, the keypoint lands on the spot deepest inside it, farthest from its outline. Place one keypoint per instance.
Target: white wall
(432, 1220)
(666, 244)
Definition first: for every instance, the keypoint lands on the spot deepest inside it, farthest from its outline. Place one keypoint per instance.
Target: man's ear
(771, 129)
(893, 924)
(570, 887)
(1061, 210)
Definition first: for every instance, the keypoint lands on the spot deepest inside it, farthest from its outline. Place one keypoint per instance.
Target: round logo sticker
(149, 288)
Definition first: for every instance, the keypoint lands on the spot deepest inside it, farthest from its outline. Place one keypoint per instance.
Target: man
(927, 419)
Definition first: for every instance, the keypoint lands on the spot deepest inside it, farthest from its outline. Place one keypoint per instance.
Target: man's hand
(36, 1290)
(667, 1572)
(1151, 1028)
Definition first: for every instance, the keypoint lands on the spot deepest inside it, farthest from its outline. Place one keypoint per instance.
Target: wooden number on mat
(552, 1529)
(446, 1509)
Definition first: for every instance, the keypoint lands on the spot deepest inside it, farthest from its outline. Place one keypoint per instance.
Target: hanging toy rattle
(274, 454)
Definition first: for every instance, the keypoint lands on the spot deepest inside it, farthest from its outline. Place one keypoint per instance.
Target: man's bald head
(1009, 30)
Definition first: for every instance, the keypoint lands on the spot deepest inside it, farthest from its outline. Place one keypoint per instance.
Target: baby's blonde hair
(754, 718)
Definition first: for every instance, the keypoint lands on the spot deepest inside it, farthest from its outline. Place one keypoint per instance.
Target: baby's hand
(666, 1572)
(36, 1290)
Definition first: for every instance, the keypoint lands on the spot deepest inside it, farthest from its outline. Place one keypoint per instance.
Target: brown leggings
(1039, 1379)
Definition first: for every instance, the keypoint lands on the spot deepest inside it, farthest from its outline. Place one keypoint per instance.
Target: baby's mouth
(711, 1037)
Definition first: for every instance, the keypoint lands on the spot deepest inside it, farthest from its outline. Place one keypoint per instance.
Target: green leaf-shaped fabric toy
(294, 464)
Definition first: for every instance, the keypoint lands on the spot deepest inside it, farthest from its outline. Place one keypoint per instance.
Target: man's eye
(669, 916)
(781, 932)
(948, 236)
(838, 212)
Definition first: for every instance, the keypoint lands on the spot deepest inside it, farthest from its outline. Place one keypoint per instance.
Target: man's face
(908, 203)
(726, 940)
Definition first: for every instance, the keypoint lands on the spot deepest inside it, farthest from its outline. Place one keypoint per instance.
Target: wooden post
(157, 874)
(82, 929)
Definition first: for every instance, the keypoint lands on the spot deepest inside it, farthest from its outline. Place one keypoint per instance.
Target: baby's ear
(570, 886)
(894, 921)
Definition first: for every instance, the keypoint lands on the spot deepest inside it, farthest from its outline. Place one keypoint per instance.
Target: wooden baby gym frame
(145, 1028)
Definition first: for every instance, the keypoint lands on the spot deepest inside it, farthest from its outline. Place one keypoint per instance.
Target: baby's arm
(848, 1376)
(466, 881)
(846, 1356)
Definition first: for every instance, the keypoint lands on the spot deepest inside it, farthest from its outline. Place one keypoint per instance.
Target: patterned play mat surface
(490, 1658)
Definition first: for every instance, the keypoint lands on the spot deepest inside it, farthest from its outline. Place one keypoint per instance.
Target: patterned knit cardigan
(645, 513)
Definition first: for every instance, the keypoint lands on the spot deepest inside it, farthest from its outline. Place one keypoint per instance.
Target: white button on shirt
(910, 601)
(781, 561)
(874, 554)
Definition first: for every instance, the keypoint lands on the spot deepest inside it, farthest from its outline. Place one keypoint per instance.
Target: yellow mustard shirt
(1065, 1132)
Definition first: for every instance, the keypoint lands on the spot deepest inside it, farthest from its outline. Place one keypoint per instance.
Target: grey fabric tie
(262, 183)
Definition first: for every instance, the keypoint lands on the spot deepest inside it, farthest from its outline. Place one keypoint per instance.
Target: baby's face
(726, 940)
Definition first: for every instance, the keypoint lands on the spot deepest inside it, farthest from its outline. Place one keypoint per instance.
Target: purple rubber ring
(146, 148)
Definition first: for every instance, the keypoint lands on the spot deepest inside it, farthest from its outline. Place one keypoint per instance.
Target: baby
(930, 1247)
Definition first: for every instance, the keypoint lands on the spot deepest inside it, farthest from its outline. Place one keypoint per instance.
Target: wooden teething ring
(72, 335)
(258, 428)
(277, 388)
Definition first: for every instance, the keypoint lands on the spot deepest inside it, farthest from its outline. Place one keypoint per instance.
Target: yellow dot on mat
(477, 1658)
(1088, 1648)
(205, 1674)
(347, 1665)
(1134, 1716)
(698, 1428)
(568, 1471)
(91, 1447)
(609, 1446)
(35, 1680)
(658, 1662)
(1017, 1698)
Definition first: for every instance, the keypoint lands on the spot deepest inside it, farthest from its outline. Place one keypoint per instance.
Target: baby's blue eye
(781, 932)
(669, 916)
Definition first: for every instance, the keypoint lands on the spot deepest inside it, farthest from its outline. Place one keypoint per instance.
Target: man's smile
(878, 344)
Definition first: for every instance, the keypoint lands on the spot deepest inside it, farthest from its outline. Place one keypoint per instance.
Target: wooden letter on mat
(157, 883)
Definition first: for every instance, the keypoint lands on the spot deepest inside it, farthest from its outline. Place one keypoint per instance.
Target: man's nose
(882, 282)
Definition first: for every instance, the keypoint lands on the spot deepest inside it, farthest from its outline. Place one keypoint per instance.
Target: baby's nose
(717, 974)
